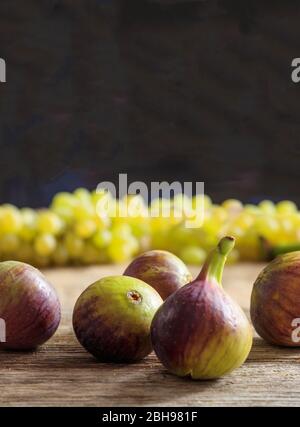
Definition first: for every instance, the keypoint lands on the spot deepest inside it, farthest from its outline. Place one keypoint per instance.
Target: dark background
(161, 90)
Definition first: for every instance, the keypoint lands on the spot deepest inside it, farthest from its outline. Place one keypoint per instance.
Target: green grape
(219, 214)
(268, 227)
(97, 195)
(64, 200)
(105, 205)
(65, 213)
(84, 211)
(121, 230)
(295, 218)
(24, 252)
(295, 232)
(156, 203)
(40, 261)
(159, 239)
(182, 203)
(286, 230)
(133, 245)
(27, 234)
(9, 243)
(196, 219)
(252, 209)
(44, 244)
(140, 229)
(102, 239)
(286, 207)
(181, 235)
(74, 245)
(29, 216)
(90, 254)
(160, 208)
(135, 206)
(85, 228)
(236, 232)
(83, 195)
(193, 255)
(60, 256)
(233, 206)
(249, 246)
(160, 225)
(244, 220)
(211, 226)
(102, 222)
(118, 252)
(233, 256)
(49, 222)
(121, 210)
(209, 241)
(10, 219)
(28, 229)
(122, 249)
(144, 243)
(267, 207)
(175, 218)
(201, 200)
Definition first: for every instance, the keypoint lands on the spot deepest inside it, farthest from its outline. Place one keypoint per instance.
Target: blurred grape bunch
(73, 231)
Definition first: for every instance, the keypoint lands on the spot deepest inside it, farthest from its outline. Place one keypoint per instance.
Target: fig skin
(112, 319)
(275, 300)
(200, 331)
(29, 306)
(162, 270)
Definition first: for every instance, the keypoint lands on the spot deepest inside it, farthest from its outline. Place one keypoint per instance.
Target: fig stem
(214, 264)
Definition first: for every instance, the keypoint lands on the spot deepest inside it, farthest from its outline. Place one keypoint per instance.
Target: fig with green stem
(200, 331)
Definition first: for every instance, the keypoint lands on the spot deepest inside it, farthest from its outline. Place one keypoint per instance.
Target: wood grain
(62, 373)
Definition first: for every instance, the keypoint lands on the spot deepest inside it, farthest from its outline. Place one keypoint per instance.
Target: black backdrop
(161, 90)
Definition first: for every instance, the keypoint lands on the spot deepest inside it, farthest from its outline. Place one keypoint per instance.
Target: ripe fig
(275, 301)
(29, 307)
(112, 318)
(200, 331)
(162, 270)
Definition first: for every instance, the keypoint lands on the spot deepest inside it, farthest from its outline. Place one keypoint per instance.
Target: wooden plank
(62, 373)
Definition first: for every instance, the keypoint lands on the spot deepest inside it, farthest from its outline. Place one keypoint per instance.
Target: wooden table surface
(62, 373)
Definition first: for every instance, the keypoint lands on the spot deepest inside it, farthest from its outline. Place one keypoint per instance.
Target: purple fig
(162, 270)
(29, 307)
(275, 301)
(112, 318)
(200, 331)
